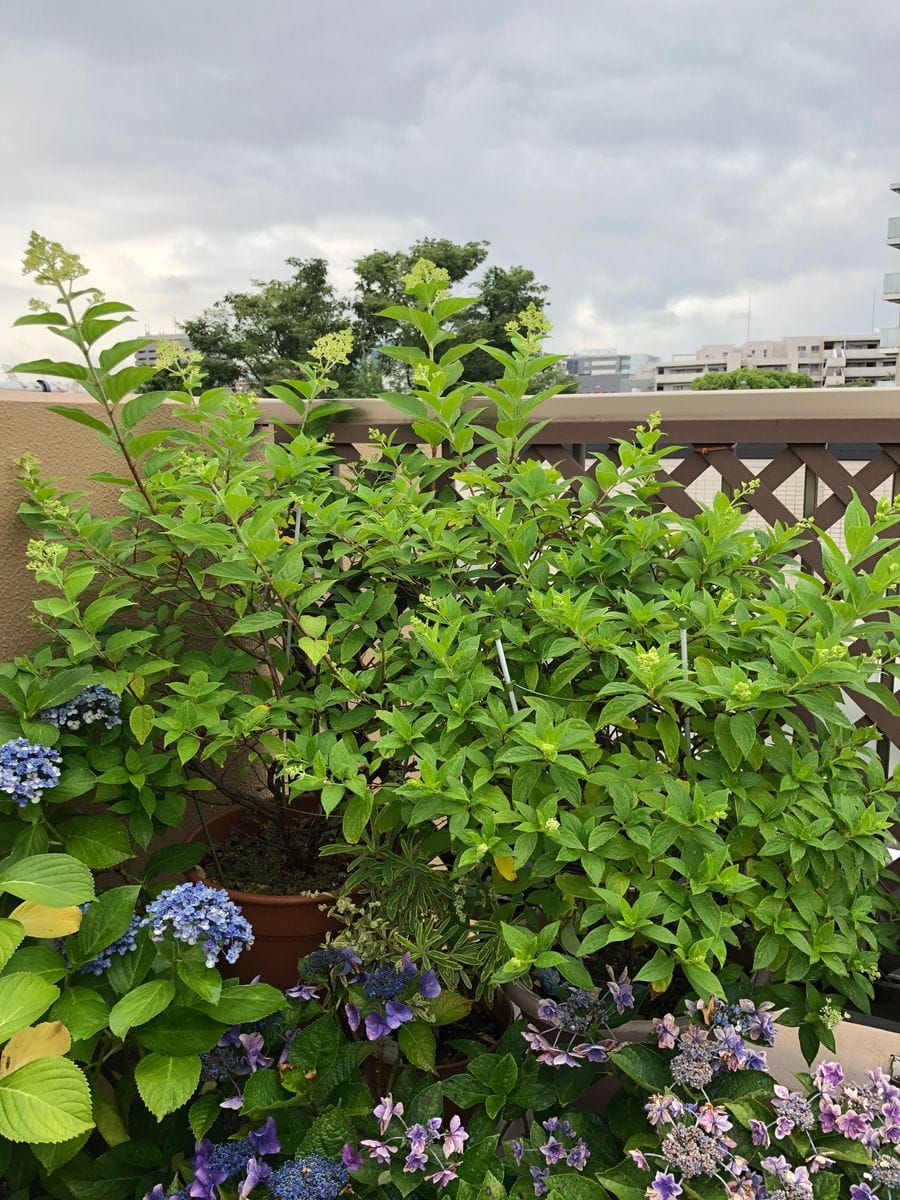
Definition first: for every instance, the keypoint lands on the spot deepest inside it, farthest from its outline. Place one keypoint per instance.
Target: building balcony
(890, 338)
(893, 234)
(892, 286)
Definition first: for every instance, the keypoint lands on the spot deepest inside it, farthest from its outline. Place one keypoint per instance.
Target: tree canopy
(751, 377)
(256, 335)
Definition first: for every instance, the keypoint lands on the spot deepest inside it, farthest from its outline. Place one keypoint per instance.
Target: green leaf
(186, 1029)
(417, 1044)
(356, 815)
(54, 879)
(574, 1187)
(83, 1011)
(504, 1076)
(203, 1113)
(41, 318)
(702, 980)
(11, 934)
(642, 1064)
(113, 355)
(174, 860)
(140, 722)
(23, 998)
(256, 622)
(47, 1100)
(45, 366)
(166, 1082)
(143, 1004)
(98, 842)
(104, 922)
(52, 1155)
(143, 443)
(743, 730)
(262, 1090)
(80, 417)
(245, 1002)
(205, 981)
(412, 406)
(448, 1007)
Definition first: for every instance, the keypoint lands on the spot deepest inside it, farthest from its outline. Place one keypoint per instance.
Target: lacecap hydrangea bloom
(311, 1178)
(27, 770)
(92, 704)
(196, 914)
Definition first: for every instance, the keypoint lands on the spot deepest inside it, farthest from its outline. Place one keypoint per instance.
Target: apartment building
(891, 289)
(608, 371)
(830, 360)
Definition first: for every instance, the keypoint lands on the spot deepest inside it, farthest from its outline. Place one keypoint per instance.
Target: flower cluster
(579, 1025)
(432, 1147)
(562, 1146)
(27, 770)
(235, 1054)
(311, 1178)
(196, 914)
(92, 704)
(381, 998)
(214, 1164)
(693, 1133)
(720, 1043)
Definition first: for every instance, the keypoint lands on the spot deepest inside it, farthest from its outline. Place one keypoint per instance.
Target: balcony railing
(894, 229)
(890, 338)
(892, 286)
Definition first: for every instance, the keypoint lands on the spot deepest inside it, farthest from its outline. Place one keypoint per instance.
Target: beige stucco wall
(68, 453)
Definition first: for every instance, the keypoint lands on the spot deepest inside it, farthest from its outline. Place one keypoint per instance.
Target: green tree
(260, 334)
(257, 335)
(750, 377)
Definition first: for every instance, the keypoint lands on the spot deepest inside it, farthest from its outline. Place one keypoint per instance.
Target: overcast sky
(655, 162)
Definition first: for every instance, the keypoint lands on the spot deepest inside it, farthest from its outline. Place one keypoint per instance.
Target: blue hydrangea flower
(121, 946)
(196, 914)
(311, 1178)
(27, 770)
(232, 1157)
(92, 704)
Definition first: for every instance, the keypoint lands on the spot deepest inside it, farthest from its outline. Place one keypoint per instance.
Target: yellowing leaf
(41, 921)
(50, 1039)
(505, 864)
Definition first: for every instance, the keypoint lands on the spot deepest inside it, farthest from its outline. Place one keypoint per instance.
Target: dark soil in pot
(286, 926)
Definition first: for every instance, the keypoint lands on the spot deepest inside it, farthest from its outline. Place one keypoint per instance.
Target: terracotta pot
(285, 928)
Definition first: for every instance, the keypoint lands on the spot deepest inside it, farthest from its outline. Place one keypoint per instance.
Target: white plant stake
(686, 723)
(504, 671)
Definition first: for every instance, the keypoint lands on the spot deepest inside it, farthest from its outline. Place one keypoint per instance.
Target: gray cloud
(655, 163)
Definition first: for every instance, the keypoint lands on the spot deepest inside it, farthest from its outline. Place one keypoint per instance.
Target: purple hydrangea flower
(429, 986)
(385, 1111)
(621, 990)
(257, 1172)
(377, 1026)
(302, 991)
(351, 1158)
(265, 1139)
(663, 1187)
(455, 1136)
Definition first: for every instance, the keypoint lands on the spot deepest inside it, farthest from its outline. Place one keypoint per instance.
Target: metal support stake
(504, 672)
